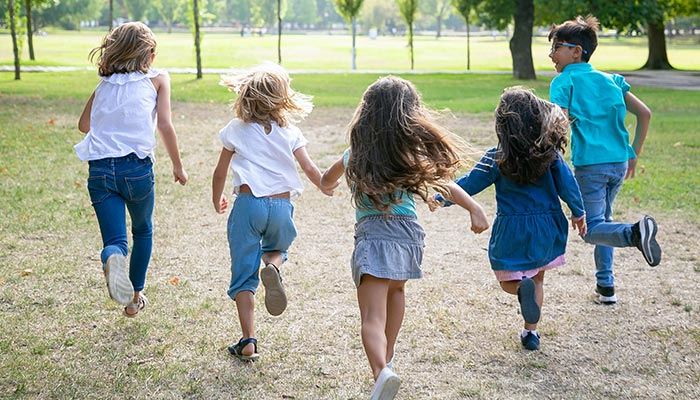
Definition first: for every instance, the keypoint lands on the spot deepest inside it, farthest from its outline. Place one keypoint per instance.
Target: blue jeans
(257, 225)
(115, 185)
(600, 185)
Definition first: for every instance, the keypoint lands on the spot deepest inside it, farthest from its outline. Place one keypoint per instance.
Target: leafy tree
(439, 9)
(376, 13)
(499, 14)
(349, 9)
(169, 11)
(136, 9)
(408, 9)
(305, 11)
(465, 8)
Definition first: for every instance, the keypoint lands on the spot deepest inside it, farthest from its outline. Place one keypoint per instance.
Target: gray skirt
(388, 248)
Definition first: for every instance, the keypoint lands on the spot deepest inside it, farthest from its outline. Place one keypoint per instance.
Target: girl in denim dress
(396, 153)
(529, 233)
(119, 119)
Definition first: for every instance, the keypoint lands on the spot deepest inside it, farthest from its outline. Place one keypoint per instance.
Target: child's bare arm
(84, 121)
(218, 181)
(331, 177)
(311, 170)
(643, 114)
(458, 196)
(166, 128)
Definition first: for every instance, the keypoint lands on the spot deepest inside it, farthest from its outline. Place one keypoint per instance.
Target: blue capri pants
(257, 225)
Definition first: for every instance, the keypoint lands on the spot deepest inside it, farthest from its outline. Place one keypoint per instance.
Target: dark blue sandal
(237, 349)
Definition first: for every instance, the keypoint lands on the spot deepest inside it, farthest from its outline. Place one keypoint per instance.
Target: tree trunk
(111, 15)
(196, 39)
(13, 33)
(279, 32)
(30, 31)
(657, 58)
(410, 42)
(438, 34)
(469, 49)
(354, 30)
(521, 42)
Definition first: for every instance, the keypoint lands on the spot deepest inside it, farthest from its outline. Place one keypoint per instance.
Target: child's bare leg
(245, 304)
(372, 300)
(273, 257)
(512, 288)
(395, 307)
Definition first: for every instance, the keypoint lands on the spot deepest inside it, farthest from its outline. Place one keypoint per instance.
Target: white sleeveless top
(122, 118)
(264, 162)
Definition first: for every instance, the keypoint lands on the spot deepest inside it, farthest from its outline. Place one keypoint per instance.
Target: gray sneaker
(644, 237)
(118, 283)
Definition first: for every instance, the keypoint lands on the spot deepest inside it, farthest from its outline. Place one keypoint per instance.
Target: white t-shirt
(264, 162)
(122, 117)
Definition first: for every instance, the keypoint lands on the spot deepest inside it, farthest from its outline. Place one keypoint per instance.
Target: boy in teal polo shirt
(603, 158)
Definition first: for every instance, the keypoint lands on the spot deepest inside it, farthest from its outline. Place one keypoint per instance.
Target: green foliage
(348, 9)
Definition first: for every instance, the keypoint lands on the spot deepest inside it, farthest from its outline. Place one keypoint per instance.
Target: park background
(62, 337)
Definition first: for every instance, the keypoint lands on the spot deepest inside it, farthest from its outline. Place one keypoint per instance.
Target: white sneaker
(118, 283)
(387, 385)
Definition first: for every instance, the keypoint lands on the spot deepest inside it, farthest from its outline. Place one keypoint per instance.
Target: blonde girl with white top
(262, 147)
(129, 103)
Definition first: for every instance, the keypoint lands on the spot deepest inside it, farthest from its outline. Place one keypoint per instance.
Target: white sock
(526, 331)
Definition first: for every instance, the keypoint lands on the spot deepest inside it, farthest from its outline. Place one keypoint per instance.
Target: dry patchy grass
(63, 338)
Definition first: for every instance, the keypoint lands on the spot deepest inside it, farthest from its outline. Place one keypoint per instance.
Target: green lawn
(670, 163)
(320, 52)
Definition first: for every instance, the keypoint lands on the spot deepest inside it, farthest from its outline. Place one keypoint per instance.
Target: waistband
(246, 189)
(390, 217)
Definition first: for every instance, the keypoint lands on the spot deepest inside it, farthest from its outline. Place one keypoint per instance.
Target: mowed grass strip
(323, 52)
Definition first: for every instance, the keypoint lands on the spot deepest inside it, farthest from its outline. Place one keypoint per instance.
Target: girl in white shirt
(119, 119)
(262, 147)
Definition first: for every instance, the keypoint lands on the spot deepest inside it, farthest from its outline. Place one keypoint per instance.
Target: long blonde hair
(127, 48)
(265, 94)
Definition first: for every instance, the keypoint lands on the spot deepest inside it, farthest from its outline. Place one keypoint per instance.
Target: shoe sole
(528, 305)
(649, 246)
(275, 297)
(607, 299)
(388, 390)
(118, 283)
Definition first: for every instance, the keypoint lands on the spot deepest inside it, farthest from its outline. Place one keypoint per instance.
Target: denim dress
(530, 229)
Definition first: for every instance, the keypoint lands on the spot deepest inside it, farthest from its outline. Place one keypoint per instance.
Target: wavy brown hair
(127, 48)
(395, 146)
(265, 94)
(531, 132)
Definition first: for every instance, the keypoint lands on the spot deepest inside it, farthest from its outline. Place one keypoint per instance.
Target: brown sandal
(136, 307)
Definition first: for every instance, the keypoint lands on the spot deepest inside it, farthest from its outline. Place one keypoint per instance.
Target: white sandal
(138, 306)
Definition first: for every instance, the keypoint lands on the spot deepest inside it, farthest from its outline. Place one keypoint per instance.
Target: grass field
(61, 336)
(332, 52)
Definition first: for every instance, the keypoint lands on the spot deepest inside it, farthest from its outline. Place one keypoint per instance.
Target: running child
(120, 118)
(396, 153)
(262, 147)
(596, 104)
(530, 230)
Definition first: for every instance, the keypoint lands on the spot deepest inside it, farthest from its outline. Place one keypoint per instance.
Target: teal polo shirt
(596, 104)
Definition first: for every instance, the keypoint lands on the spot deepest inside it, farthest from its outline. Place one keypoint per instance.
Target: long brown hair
(395, 146)
(127, 48)
(531, 131)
